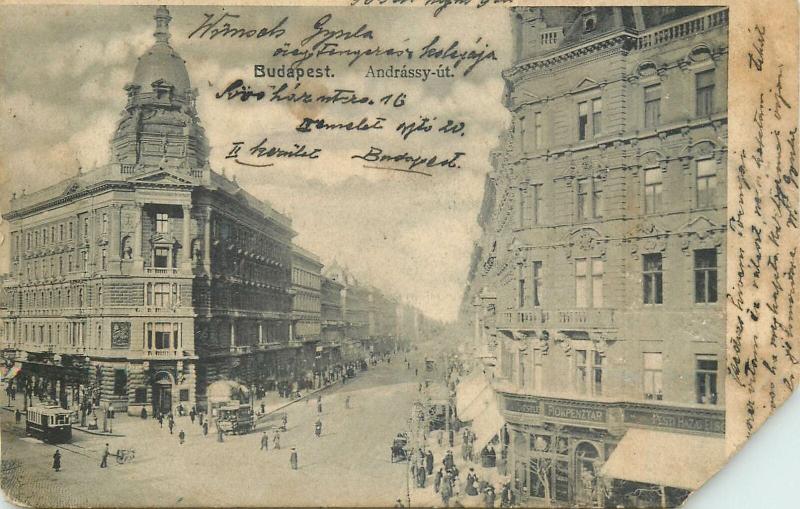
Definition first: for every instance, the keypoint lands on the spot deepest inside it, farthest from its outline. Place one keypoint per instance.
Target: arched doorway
(587, 465)
(162, 392)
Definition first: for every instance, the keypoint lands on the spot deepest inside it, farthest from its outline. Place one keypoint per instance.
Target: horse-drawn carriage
(399, 447)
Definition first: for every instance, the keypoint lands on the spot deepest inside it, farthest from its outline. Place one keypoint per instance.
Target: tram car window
(50, 424)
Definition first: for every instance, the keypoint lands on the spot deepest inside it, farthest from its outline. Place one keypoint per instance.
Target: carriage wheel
(120, 458)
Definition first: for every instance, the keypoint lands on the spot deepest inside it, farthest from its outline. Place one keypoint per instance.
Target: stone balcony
(564, 319)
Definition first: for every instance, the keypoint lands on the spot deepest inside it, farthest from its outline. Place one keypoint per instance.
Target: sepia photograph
(443, 254)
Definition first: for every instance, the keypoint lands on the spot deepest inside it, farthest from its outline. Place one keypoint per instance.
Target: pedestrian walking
(293, 459)
(104, 460)
(220, 438)
(276, 440)
(318, 428)
(347, 402)
(171, 425)
(143, 414)
(182, 437)
(285, 420)
(472, 481)
(160, 420)
(447, 491)
(489, 497)
(263, 408)
(192, 415)
(205, 428)
(264, 441)
(17, 415)
(420, 477)
(437, 480)
(57, 461)
(429, 462)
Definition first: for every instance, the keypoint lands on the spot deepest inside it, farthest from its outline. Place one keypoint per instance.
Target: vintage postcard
(393, 253)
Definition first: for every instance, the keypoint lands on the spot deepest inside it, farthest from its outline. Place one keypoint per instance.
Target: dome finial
(162, 18)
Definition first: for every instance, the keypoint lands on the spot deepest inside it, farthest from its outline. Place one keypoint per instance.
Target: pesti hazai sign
(674, 420)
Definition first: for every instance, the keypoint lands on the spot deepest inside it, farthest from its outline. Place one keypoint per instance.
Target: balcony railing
(161, 271)
(683, 28)
(583, 318)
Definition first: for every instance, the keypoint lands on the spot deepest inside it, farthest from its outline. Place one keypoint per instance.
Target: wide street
(349, 464)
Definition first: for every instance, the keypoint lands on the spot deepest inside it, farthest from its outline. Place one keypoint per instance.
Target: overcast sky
(61, 92)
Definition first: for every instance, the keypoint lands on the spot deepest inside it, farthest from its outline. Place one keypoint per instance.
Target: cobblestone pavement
(349, 464)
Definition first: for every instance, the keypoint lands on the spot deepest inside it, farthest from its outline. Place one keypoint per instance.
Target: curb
(304, 397)
(97, 433)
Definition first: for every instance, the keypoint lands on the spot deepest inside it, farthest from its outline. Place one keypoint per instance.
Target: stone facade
(598, 283)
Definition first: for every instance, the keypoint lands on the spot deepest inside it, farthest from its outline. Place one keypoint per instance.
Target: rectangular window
(597, 198)
(536, 203)
(521, 197)
(71, 232)
(161, 257)
(653, 385)
(161, 294)
(706, 379)
(162, 339)
(652, 106)
(184, 394)
(652, 278)
(581, 284)
(705, 275)
(597, 379)
(597, 117)
(597, 283)
(536, 298)
(85, 260)
(120, 382)
(105, 223)
(652, 190)
(706, 182)
(583, 198)
(162, 222)
(104, 259)
(581, 368)
(61, 233)
(140, 395)
(521, 290)
(85, 228)
(704, 92)
(583, 120)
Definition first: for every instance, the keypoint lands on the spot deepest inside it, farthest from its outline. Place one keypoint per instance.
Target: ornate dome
(161, 62)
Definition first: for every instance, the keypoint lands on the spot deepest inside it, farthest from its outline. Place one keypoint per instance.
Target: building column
(115, 227)
(138, 259)
(233, 332)
(260, 333)
(186, 262)
(207, 241)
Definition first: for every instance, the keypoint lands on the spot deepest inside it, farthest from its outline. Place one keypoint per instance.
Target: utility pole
(447, 412)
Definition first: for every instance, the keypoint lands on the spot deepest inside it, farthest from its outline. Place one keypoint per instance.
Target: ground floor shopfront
(564, 452)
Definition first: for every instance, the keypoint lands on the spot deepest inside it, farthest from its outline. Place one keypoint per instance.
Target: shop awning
(469, 391)
(12, 371)
(488, 420)
(665, 459)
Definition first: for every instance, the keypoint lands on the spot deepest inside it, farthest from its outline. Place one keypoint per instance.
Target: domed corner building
(138, 284)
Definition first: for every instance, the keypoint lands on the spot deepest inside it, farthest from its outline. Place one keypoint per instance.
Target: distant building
(598, 283)
(306, 288)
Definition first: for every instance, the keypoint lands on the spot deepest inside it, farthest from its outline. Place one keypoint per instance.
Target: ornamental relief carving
(646, 237)
(586, 242)
(701, 233)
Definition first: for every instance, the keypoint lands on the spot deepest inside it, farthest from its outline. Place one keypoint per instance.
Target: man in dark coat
(421, 477)
(489, 497)
(429, 462)
(182, 436)
(446, 491)
(293, 459)
(437, 480)
(104, 460)
(57, 461)
(265, 441)
(205, 428)
(171, 424)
